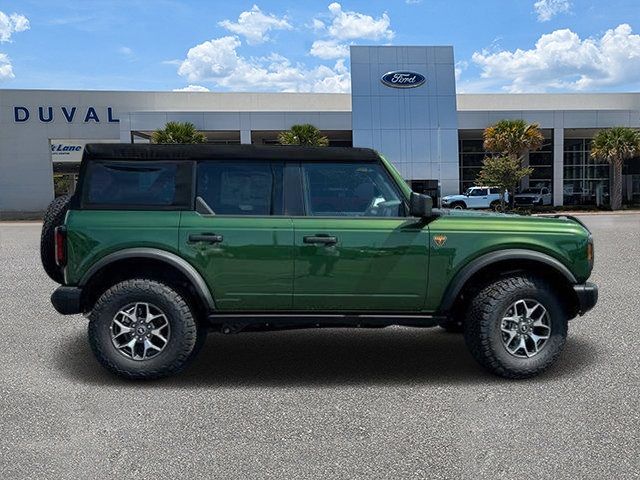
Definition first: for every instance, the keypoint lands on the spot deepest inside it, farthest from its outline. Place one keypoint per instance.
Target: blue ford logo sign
(402, 79)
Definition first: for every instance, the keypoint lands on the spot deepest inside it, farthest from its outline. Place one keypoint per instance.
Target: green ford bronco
(161, 244)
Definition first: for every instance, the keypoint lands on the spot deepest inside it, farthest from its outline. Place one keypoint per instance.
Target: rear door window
(131, 185)
(241, 187)
(350, 190)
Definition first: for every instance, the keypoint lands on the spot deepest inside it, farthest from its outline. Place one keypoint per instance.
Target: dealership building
(413, 116)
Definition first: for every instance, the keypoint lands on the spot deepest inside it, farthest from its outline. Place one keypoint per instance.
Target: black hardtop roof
(128, 151)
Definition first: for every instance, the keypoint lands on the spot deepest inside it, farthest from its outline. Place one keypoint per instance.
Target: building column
(558, 166)
(525, 163)
(245, 137)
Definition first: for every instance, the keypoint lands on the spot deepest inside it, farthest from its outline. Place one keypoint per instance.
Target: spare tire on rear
(53, 217)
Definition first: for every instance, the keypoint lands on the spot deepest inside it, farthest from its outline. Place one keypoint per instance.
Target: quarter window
(350, 190)
(147, 185)
(241, 187)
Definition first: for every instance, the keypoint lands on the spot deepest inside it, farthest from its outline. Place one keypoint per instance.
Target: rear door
(355, 248)
(243, 246)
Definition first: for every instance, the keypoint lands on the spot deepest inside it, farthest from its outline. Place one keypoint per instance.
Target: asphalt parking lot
(390, 403)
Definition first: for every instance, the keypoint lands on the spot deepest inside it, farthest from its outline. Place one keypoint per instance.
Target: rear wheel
(144, 329)
(53, 217)
(496, 206)
(516, 327)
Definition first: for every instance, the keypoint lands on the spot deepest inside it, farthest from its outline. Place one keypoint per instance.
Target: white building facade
(403, 103)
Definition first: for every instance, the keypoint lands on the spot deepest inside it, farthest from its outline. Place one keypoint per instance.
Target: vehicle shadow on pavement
(326, 357)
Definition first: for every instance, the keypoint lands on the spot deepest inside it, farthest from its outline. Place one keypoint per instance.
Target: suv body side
(263, 263)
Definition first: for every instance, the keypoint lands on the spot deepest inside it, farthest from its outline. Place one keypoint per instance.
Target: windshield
(531, 190)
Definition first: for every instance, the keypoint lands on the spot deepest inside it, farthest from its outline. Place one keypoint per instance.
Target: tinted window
(351, 190)
(138, 184)
(477, 192)
(494, 191)
(241, 187)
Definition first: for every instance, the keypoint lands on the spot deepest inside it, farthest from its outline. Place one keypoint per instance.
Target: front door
(355, 250)
(478, 198)
(243, 247)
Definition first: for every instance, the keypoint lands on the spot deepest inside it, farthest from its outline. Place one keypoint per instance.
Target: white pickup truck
(475, 197)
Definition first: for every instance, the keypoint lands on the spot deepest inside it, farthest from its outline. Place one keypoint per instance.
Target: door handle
(320, 239)
(205, 237)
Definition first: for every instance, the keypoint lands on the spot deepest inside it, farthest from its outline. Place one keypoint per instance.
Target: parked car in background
(475, 197)
(533, 196)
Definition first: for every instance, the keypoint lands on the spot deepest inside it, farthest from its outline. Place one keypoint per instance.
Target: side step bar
(229, 323)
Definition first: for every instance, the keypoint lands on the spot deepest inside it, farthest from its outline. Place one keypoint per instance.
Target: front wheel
(516, 327)
(143, 329)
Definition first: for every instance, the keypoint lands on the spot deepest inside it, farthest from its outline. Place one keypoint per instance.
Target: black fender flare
(169, 258)
(465, 273)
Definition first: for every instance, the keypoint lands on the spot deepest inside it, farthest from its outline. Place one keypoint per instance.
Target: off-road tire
(53, 217)
(495, 206)
(482, 326)
(458, 205)
(186, 335)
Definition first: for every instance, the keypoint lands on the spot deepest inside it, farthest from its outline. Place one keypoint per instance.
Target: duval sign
(69, 114)
(403, 79)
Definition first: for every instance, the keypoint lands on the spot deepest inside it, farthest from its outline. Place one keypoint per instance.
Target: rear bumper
(587, 294)
(66, 300)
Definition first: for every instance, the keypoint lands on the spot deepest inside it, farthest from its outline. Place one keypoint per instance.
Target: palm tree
(304, 134)
(178, 132)
(615, 145)
(513, 139)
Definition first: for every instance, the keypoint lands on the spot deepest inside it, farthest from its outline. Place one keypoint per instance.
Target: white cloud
(412, 2)
(254, 25)
(347, 26)
(6, 69)
(353, 25)
(329, 49)
(547, 9)
(127, 52)
(10, 24)
(192, 88)
(317, 25)
(561, 60)
(460, 67)
(217, 61)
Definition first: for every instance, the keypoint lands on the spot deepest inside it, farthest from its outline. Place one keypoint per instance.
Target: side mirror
(420, 205)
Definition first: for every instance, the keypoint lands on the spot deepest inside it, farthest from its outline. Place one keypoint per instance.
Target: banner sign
(67, 150)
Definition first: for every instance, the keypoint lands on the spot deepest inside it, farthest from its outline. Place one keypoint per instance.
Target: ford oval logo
(402, 79)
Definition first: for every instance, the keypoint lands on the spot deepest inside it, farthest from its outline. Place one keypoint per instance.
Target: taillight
(590, 252)
(60, 241)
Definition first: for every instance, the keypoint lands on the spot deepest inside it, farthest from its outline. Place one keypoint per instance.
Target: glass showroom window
(472, 154)
(635, 188)
(542, 163)
(586, 181)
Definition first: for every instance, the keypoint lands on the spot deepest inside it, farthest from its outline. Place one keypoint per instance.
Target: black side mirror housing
(420, 205)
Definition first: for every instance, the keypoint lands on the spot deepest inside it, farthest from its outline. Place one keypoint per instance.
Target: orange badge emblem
(439, 240)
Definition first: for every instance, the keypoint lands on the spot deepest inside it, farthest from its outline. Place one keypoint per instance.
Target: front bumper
(587, 294)
(66, 300)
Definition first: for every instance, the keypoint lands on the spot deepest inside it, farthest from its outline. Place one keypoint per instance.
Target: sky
(509, 46)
